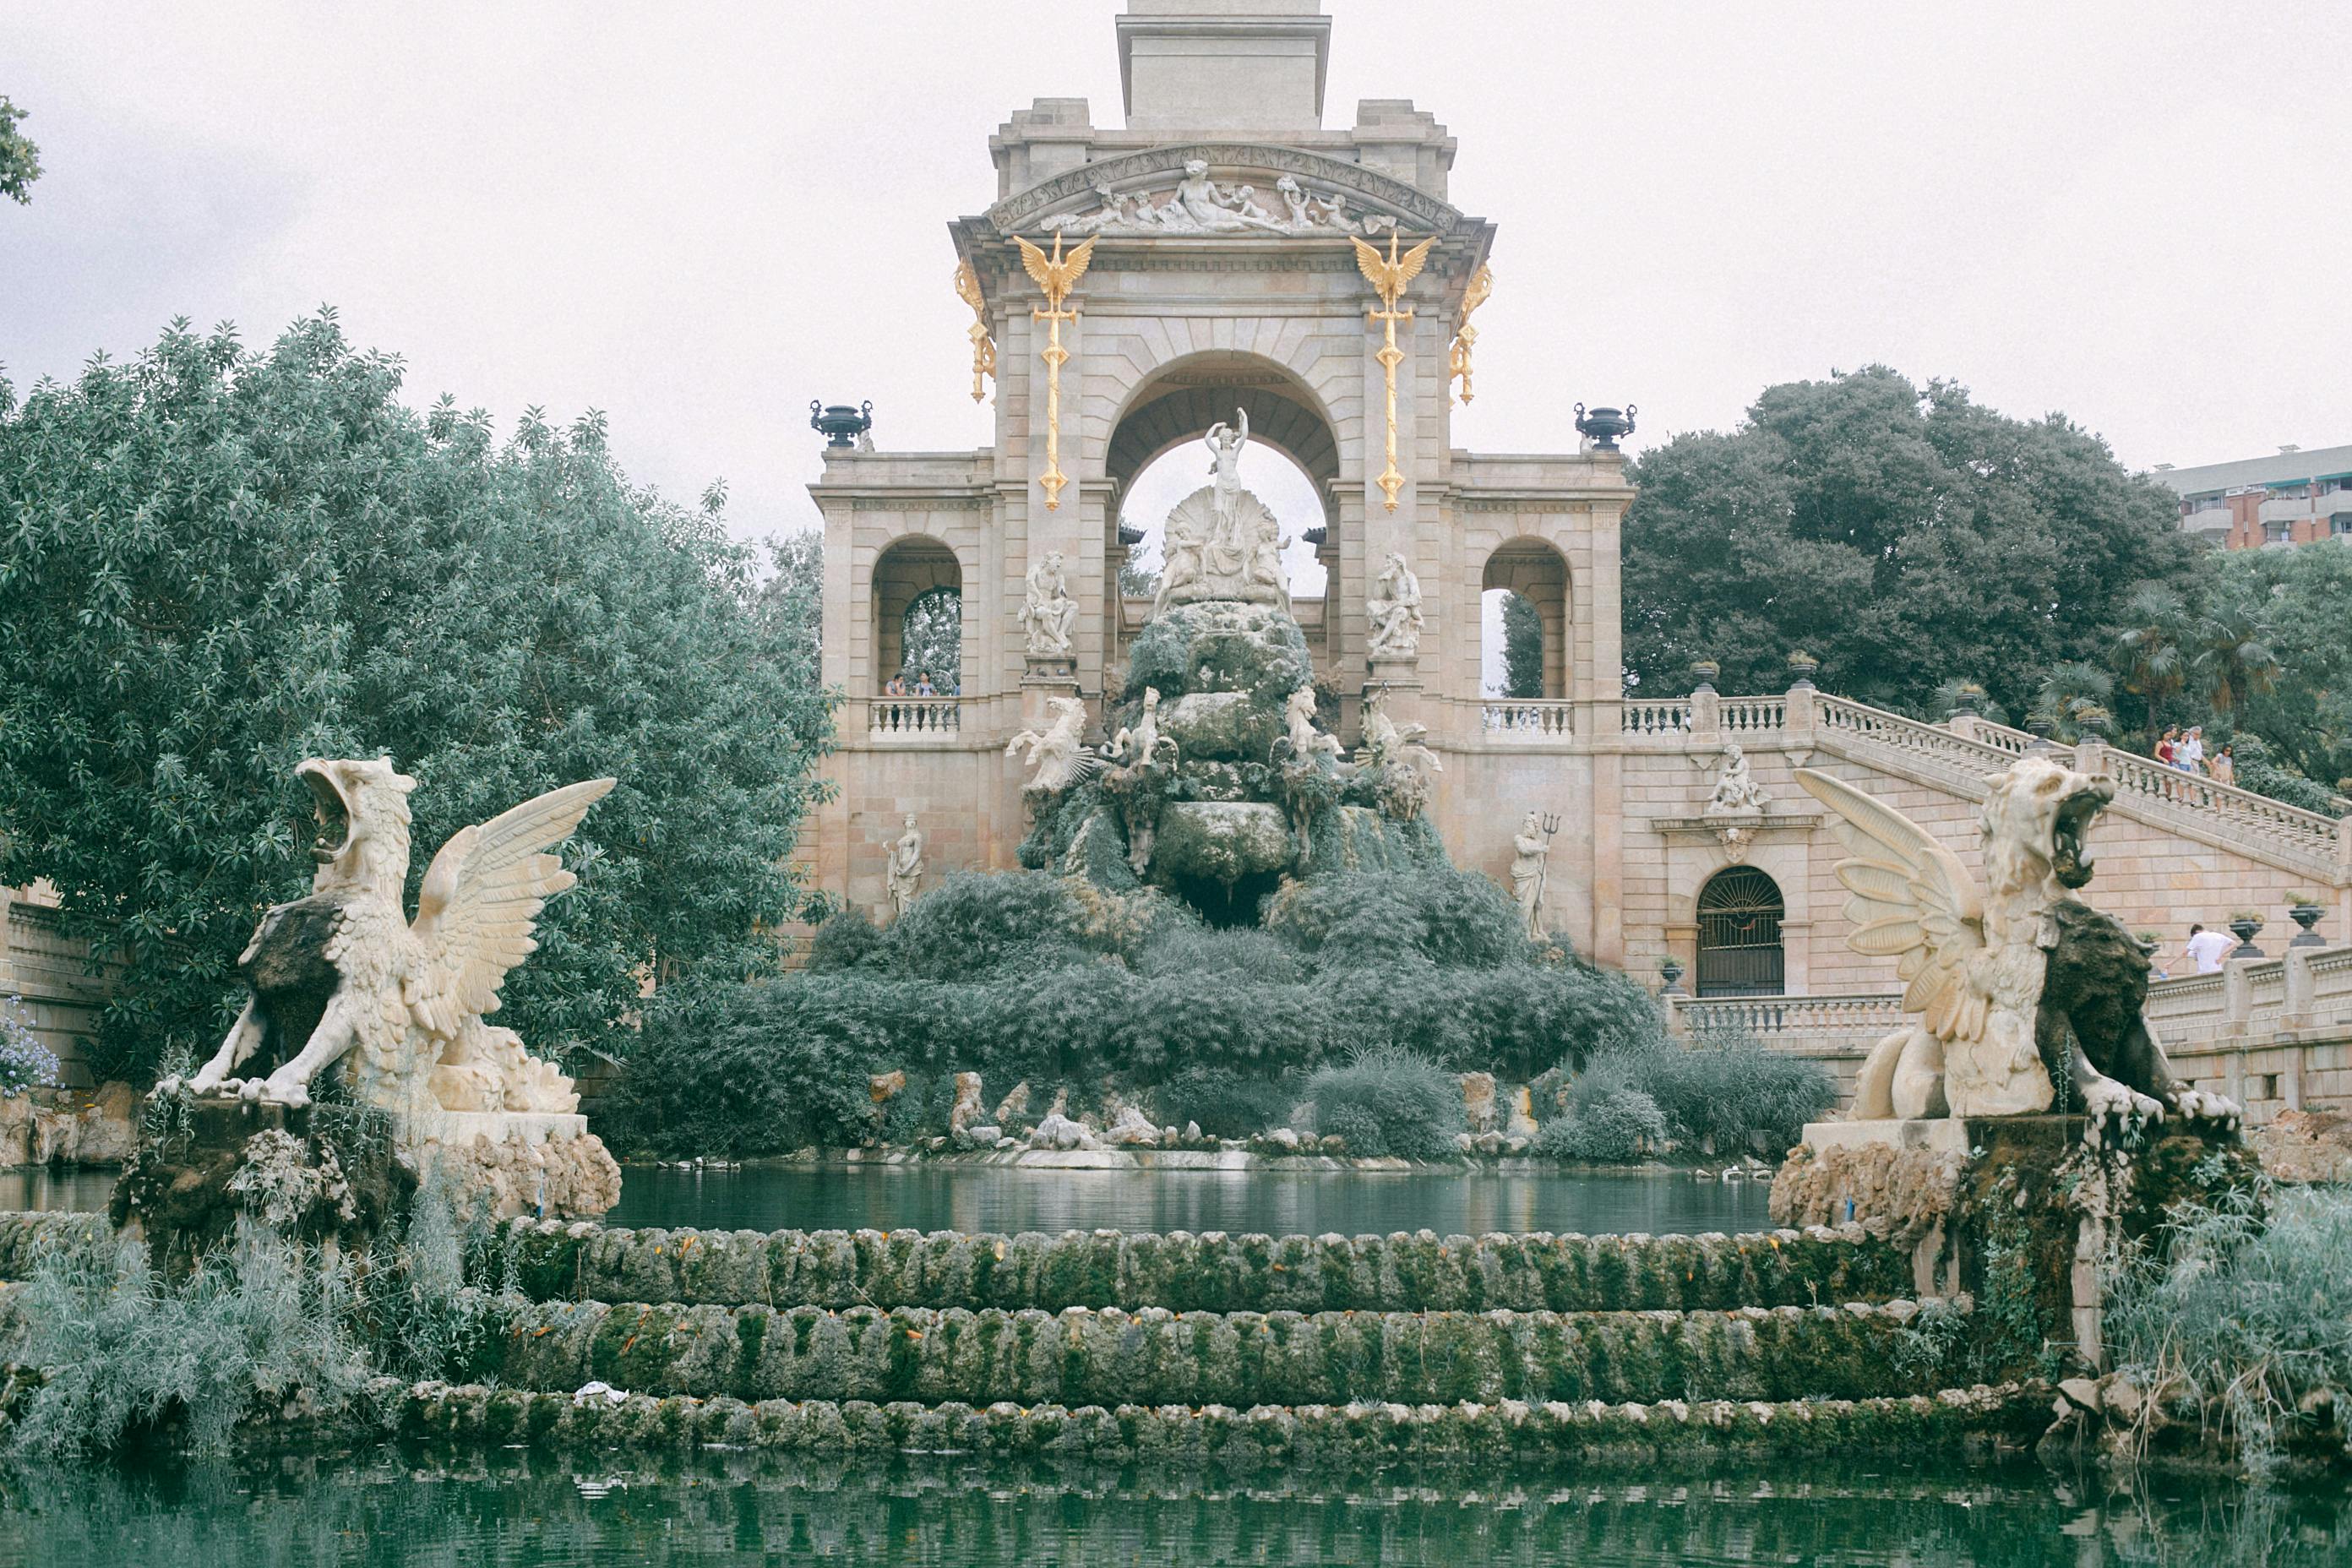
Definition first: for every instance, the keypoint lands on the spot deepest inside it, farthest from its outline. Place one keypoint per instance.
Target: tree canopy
(1904, 536)
(215, 562)
(20, 161)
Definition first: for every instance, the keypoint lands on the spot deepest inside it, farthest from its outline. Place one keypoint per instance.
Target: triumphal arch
(1211, 276)
(1229, 282)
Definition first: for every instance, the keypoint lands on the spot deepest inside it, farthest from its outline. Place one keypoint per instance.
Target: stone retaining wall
(1352, 1434)
(1155, 1357)
(1210, 1272)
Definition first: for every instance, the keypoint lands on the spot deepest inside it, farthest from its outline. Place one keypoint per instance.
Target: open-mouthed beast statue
(344, 972)
(2028, 999)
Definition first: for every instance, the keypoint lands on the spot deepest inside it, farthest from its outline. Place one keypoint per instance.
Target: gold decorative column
(983, 341)
(1465, 336)
(1388, 278)
(1054, 275)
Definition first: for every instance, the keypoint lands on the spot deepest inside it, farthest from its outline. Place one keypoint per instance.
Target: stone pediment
(1152, 194)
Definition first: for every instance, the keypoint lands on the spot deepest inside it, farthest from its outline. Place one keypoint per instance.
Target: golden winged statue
(1388, 275)
(1055, 274)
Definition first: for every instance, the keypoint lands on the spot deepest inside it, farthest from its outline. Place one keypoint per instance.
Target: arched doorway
(1523, 606)
(1739, 952)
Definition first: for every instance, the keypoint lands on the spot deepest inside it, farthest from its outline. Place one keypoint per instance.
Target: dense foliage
(215, 562)
(2241, 1314)
(20, 161)
(1904, 536)
(1384, 1101)
(1034, 976)
(1523, 648)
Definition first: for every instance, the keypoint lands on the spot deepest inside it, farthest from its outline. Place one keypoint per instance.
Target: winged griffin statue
(2019, 988)
(344, 972)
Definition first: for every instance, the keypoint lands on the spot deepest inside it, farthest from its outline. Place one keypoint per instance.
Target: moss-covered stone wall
(1543, 1434)
(1209, 1272)
(1154, 1356)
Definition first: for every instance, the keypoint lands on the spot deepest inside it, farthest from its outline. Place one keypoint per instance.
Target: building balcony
(2213, 520)
(2288, 508)
(914, 719)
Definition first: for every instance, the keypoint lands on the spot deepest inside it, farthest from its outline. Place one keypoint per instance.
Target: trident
(1549, 823)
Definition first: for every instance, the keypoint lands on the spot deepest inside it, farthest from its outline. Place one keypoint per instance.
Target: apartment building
(2292, 498)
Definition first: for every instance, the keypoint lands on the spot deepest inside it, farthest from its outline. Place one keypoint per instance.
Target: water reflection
(80, 1189)
(1008, 1199)
(514, 1510)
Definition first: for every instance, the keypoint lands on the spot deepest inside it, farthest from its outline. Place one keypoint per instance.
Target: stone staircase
(1224, 1349)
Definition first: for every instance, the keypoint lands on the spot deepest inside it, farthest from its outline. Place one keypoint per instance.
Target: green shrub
(1225, 1104)
(1360, 1128)
(1724, 1093)
(1359, 918)
(1608, 1119)
(2243, 1317)
(920, 1110)
(846, 940)
(763, 1070)
(975, 925)
(1415, 1104)
(260, 1323)
(1191, 950)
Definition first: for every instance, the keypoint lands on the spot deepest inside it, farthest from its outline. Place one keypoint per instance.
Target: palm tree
(2073, 701)
(2155, 666)
(2229, 655)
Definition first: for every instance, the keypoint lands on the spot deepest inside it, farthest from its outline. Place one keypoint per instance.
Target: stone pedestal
(544, 1164)
(1042, 681)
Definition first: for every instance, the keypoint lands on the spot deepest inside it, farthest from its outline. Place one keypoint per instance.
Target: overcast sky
(699, 217)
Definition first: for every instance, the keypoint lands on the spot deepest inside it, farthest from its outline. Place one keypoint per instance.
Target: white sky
(699, 217)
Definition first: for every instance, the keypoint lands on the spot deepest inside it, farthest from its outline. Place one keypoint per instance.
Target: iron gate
(1740, 950)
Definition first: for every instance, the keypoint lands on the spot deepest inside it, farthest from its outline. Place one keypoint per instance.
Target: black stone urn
(2245, 928)
(1671, 971)
(840, 424)
(1965, 700)
(1703, 674)
(1801, 671)
(2306, 915)
(2040, 729)
(1604, 426)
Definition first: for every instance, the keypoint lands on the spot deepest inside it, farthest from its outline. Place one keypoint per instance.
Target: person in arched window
(923, 686)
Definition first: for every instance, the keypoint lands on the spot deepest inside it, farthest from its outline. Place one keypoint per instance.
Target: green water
(1009, 1199)
(514, 1510)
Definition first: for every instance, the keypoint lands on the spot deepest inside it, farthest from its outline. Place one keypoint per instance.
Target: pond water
(517, 1509)
(81, 1189)
(1008, 1199)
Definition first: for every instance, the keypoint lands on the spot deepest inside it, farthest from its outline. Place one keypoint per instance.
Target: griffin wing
(1913, 902)
(480, 897)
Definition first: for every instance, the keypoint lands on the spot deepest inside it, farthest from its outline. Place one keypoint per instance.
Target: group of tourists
(2185, 750)
(898, 686)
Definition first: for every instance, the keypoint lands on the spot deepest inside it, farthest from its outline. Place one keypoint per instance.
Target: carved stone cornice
(1048, 197)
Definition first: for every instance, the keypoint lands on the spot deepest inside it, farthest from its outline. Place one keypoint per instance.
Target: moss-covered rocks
(1209, 1272)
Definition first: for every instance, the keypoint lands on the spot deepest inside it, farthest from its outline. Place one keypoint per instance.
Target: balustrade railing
(2146, 779)
(1753, 715)
(1513, 719)
(913, 717)
(1907, 734)
(1860, 1015)
(1668, 718)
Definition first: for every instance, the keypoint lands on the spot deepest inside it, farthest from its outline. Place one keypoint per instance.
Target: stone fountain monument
(1221, 777)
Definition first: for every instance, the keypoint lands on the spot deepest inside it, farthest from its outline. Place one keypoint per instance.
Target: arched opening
(1739, 952)
(1156, 457)
(1523, 623)
(917, 616)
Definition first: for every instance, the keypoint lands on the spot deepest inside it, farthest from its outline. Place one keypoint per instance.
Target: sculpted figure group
(1200, 204)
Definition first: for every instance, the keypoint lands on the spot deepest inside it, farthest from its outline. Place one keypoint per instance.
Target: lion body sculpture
(2020, 998)
(343, 975)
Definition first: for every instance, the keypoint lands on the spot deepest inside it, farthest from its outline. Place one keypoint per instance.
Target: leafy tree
(20, 161)
(2270, 625)
(1907, 537)
(1523, 649)
(933, 637)
(215, 563)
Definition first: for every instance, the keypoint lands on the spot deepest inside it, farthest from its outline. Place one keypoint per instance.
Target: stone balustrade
(914, 718)
(1671, 717)
(1520, 719)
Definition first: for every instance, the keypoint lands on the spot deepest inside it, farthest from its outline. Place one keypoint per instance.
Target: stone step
(1265, 1437)
(1154, 1356)
(1208, 1272)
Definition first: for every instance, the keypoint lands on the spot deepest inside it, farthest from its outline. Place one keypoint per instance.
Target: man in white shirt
(2191, 754)
(2207, 950)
